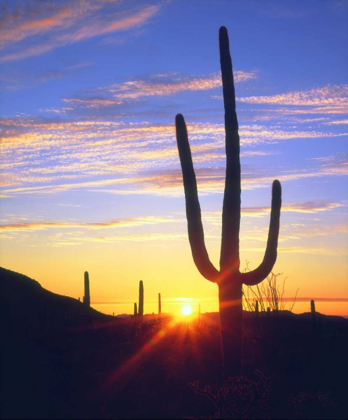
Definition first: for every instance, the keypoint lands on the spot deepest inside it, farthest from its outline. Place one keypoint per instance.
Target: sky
(90, 173)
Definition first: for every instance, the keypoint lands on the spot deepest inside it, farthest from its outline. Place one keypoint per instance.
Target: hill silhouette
(33, 324)
(24, 300)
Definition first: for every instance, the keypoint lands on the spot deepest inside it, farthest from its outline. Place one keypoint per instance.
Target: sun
(186, 310)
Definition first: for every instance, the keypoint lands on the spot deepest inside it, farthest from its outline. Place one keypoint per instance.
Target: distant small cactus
(314, 317)
(159, 304)
(135, 309)
(141, 298)
(87, 298)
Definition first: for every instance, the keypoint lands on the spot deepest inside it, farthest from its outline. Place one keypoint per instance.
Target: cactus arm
(254, 277)
(229, 260)
(193, 210)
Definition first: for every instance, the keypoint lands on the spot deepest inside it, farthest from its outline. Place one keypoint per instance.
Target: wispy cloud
(313, 251)
(332, 95)
(154, 85)
(337, 122)
(308, 207)
(19, 79)
(170, 84)
(49, 155)
(63, 24)
(122, 223)
(91, 102)
(32, 18)
(301, 207)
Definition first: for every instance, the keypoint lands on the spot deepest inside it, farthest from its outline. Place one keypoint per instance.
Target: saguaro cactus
(159, 304)
(86, 298)
(135, 309)
(141, 298)
(229, 279)
(314, 318)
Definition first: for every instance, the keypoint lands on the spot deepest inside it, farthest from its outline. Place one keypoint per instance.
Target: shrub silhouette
(238, 397)
(269, 293)
(229, 279)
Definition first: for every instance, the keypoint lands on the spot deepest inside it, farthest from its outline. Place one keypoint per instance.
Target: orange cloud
(37, 19)
(338, 122)
(304, 207)
(129, 222)
(69, 25)
(29, 156)
(160, 85)
(90, 102)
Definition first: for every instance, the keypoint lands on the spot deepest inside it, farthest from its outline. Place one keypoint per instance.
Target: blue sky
(89, 94)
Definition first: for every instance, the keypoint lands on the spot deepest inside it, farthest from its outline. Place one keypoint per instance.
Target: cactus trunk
(141, 298)
(159, 304)
(228, 278)
(86, 298)
(231, 319)
(135, 309)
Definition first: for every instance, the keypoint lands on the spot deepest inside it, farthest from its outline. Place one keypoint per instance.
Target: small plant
(269, 295)
(308, 404)
(238, 397)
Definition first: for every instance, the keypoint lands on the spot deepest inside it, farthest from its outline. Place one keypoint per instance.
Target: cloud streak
(122, 223)
(134, 158)
(331, 95)
(171, 84)
(64, 24)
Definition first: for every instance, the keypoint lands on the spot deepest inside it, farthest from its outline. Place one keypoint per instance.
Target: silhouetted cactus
(229, 279)
(159, 304)
(141, 298)
(135, 309)
(87, 298)
(314, 317)
(257, 308)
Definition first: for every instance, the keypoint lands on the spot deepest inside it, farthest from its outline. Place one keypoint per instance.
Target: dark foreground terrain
(61, 359)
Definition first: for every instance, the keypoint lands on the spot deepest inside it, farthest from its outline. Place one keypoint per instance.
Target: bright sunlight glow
(186, 310)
